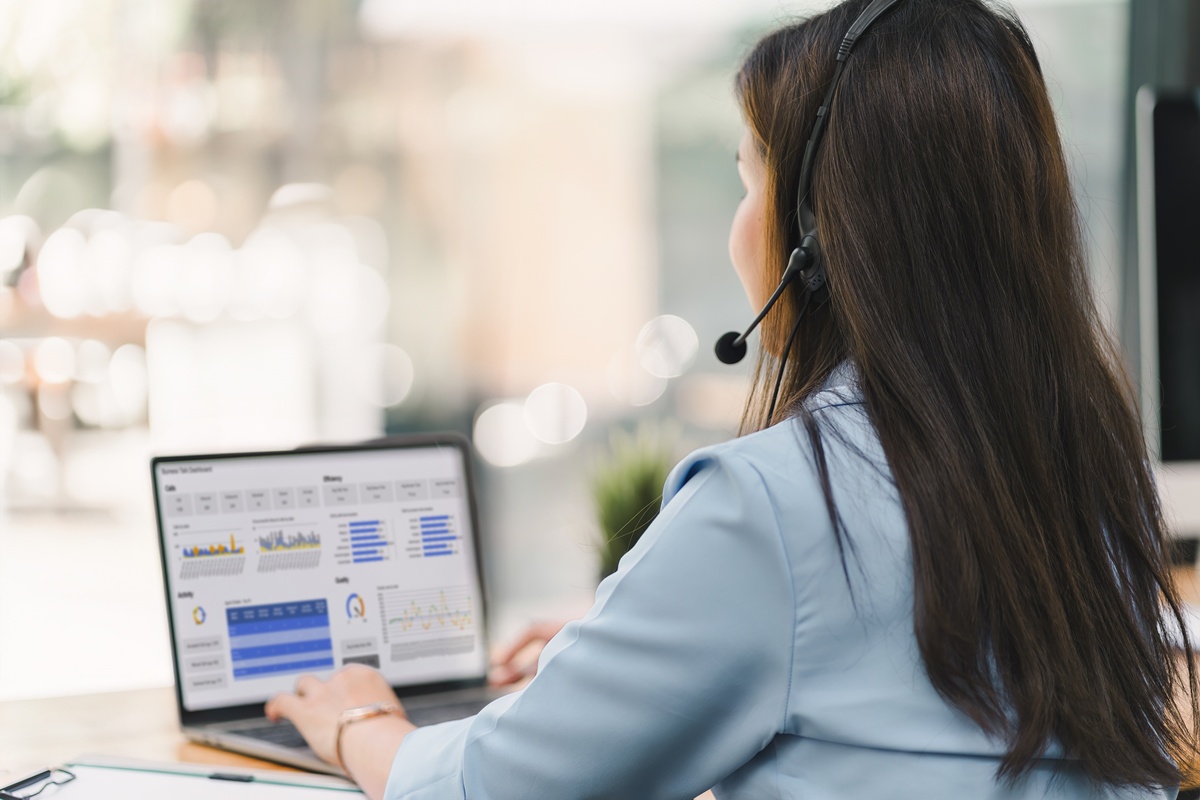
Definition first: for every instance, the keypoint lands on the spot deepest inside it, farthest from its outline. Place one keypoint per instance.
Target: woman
(938, 569)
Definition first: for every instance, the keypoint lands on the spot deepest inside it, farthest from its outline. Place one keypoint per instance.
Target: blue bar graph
(437, 532)
(368, 541)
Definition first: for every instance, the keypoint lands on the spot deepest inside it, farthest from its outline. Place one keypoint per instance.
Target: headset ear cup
(813, 278)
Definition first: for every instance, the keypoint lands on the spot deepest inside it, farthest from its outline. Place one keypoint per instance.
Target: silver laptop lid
(280, 564)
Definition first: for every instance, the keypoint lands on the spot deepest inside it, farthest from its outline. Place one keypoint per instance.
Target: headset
(805, 263)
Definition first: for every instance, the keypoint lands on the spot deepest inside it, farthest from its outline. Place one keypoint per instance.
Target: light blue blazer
(726, 652)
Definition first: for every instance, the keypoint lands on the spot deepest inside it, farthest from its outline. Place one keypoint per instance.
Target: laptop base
(279, 742)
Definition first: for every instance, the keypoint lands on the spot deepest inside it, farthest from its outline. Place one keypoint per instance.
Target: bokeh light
(501, 435)
(271, 276)
(386, 375)
(62, 274)
(156, 276)
(207, 277)
(92, 361)
(17, 234)
(666, 346)
(629, 382)
(53, 401)
(555, 412)
(110, 252)
(54, 360)
(192, 205)
(12, 362)
(127, 374)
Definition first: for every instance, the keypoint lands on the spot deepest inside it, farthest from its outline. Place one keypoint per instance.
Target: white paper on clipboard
(101, 777)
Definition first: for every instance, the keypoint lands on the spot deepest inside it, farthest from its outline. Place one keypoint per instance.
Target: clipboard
(101, 777)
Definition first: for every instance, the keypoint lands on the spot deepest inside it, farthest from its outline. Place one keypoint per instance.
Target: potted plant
(627, 490)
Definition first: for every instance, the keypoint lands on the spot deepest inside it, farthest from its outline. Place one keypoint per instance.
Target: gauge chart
(355, 607)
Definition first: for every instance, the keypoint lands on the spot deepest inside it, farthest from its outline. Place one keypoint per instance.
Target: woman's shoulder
(786, 454)
(746, 461)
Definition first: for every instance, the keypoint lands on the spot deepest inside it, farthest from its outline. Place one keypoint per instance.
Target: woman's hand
(368, 746)
(518, 659)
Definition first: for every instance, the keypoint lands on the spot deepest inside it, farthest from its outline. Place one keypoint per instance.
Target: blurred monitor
(1168, 195)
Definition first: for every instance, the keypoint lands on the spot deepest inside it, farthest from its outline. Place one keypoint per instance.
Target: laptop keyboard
(432, 715)
(282, 733)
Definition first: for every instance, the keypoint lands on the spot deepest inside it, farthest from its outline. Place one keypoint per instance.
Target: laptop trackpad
(281, 733)
(432, 714)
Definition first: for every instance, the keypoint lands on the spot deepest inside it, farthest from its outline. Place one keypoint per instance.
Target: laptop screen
(283, 564)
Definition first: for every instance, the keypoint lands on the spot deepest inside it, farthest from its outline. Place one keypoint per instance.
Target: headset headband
(805, 217)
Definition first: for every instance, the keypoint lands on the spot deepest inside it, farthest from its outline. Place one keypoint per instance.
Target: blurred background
(233, 226)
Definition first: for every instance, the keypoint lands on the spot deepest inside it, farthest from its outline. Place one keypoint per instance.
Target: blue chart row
(438, 535)
(367, 541)
(280, 637)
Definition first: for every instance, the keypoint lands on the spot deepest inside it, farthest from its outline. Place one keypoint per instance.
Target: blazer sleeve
(678, 675)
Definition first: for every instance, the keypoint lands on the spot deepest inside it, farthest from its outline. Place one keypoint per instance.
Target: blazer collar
(844, 381)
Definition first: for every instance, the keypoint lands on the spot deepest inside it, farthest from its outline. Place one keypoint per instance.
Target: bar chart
(220, 549)
(214, 560)
(364, 541)
(432, 536)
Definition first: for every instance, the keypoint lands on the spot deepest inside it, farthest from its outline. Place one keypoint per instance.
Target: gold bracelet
(358, 715)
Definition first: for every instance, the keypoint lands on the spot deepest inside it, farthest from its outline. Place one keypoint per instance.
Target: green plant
(627, 490)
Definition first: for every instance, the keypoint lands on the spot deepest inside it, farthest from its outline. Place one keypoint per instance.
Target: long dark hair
(1043, 604)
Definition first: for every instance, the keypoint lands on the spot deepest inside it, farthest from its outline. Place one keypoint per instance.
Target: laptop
(280, 564)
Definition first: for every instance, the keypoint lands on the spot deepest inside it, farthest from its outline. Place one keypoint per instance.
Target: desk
(140, 724)
(143, 724)
(137, 724)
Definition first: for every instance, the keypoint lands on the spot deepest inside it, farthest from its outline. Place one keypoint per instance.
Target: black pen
(222, 776)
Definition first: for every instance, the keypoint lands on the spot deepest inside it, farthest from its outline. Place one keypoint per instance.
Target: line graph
(278, 551)
(423, 613)
(278, 542)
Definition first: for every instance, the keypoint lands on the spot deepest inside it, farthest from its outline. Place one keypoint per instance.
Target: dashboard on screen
(283, 564)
